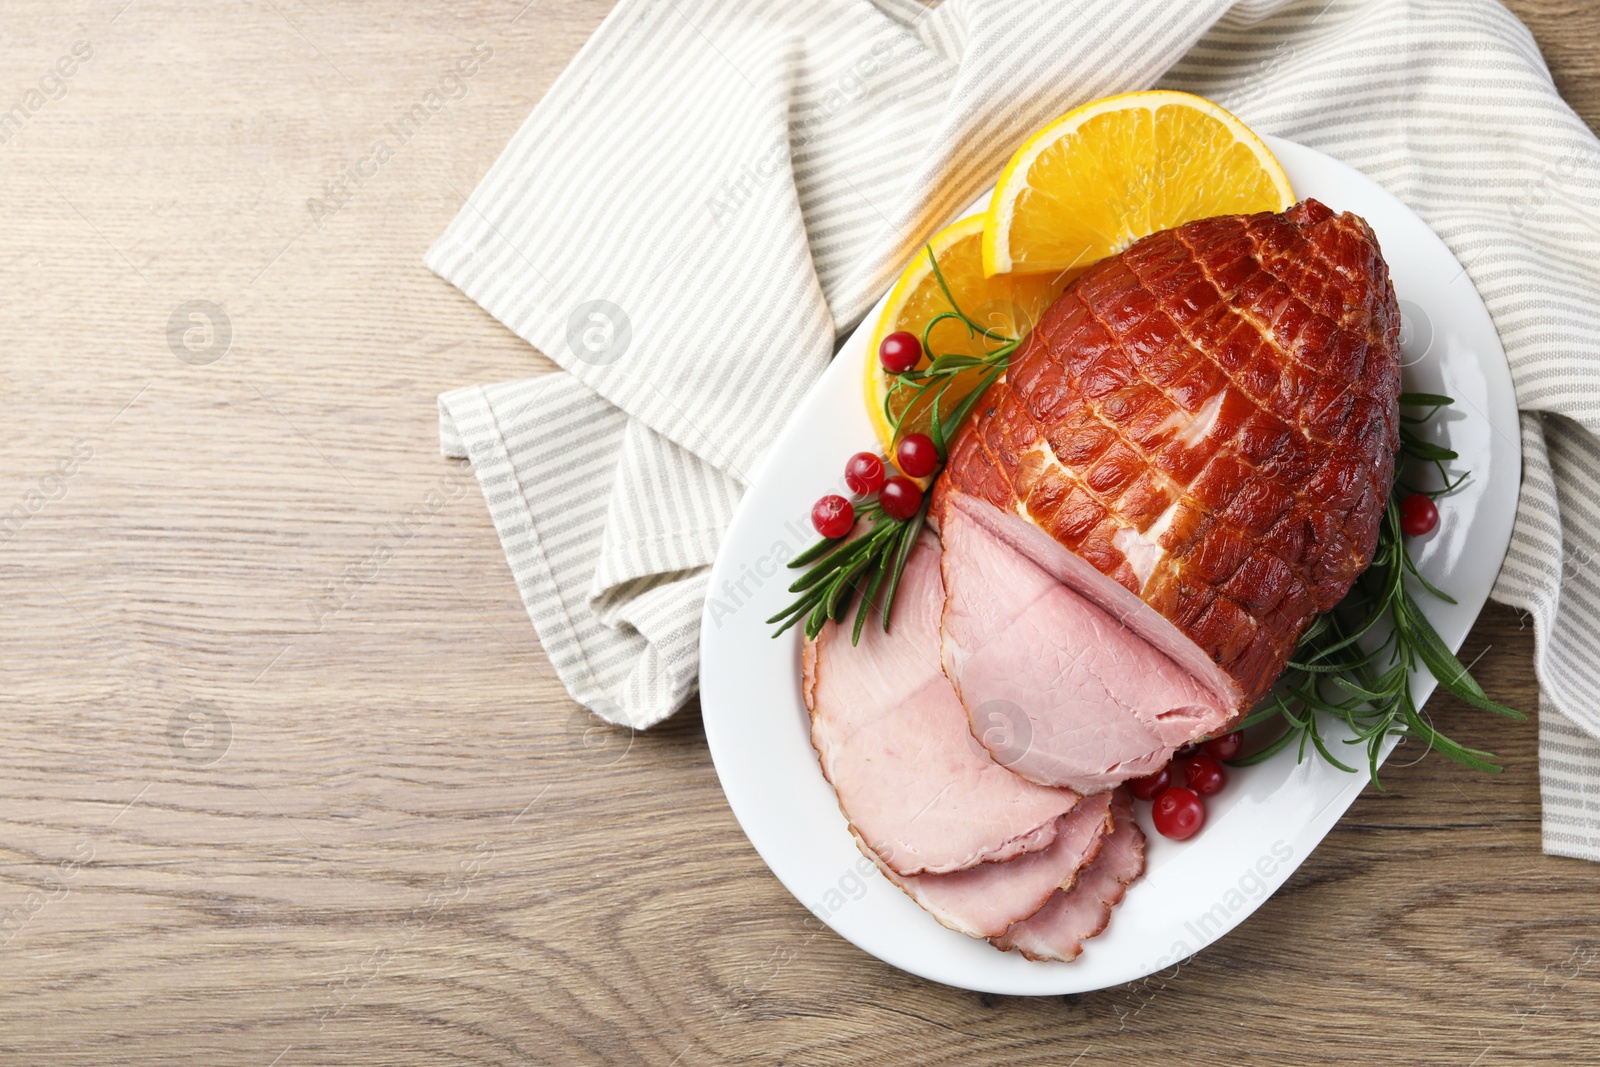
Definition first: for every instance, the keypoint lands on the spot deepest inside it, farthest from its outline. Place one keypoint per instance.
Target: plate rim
(1312, 831)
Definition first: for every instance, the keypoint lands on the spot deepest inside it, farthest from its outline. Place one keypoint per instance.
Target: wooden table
(285, 782)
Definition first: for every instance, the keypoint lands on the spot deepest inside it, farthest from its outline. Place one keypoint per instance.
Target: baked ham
(1196, 445)
(918, 790)
(1187, 461)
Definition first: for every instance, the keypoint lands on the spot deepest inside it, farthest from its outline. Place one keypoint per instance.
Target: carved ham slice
(1057, 687)
(986, 900)
(1080, 911)
(917, 788)
(1198, 438)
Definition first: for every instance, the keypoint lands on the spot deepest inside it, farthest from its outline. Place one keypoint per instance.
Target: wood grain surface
(286, 778)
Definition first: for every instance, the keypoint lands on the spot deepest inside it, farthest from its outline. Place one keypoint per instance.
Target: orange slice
(1099, 178)
(1007, 305)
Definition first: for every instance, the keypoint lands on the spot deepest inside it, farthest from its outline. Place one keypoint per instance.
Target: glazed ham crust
(1209, 419)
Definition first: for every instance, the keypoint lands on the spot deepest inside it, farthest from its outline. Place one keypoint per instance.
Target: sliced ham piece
(1058, 688)
(986, 900)
(1198, 437)
(892, 737)
(1075, 914)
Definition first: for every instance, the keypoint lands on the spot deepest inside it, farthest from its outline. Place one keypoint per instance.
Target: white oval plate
(1267, 820)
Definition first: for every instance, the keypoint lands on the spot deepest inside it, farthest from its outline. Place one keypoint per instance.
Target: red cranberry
(1204, 775)
(1226, 747)
(1178, 813)
(900, 497)
(833, 516)
(917, 456)
(1147, 787)
(864, 473)
(1418, 515)
(899, 352)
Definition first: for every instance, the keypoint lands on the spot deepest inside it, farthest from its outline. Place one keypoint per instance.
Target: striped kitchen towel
(712, 194)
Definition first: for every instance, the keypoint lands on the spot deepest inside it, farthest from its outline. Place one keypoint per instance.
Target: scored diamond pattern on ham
(1209, 421)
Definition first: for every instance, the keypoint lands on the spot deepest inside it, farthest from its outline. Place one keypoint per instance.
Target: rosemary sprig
(842, 567)
(871, 561)
(907, 391)
(1369, 689)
